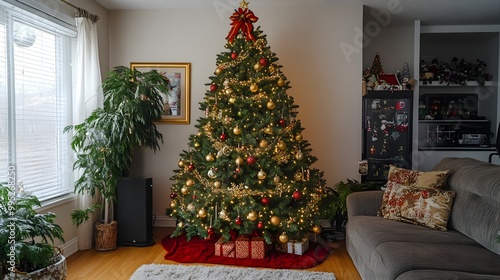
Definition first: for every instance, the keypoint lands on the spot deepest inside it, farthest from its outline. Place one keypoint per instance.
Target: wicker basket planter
(56, 271)
(105, 236)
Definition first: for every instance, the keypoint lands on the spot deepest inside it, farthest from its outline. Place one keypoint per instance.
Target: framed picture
(176, 105)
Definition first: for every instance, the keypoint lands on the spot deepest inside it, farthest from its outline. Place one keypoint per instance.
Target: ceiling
(430, 12)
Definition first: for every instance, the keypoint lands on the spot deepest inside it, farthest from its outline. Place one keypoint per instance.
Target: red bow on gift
(243, 20)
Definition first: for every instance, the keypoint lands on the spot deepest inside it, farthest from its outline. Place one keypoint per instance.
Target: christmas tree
(248, 168)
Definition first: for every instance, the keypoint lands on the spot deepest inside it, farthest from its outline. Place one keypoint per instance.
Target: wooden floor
(121, 263)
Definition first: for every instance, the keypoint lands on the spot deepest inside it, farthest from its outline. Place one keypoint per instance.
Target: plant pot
(56, 271)
(105, 236)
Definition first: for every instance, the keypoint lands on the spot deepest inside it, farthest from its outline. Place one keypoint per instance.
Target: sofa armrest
(365, 203)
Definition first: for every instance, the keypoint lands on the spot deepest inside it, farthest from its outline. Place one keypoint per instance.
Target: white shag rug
(195, 272)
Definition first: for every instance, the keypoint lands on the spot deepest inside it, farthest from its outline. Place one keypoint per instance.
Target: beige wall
(325, 83)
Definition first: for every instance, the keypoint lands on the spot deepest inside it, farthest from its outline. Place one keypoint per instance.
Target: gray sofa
(387, 249)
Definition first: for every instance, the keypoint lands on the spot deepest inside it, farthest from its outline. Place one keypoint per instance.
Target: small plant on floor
(333, 205)
(26, 237)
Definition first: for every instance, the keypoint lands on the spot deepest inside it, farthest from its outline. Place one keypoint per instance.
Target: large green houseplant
(27, 238)
(104, 142)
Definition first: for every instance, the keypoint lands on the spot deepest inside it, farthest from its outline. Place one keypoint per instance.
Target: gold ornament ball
(173, 205)
(217, 184)
(268, 130)
(196, 145)
(202, 213)
(316, 229)
(254, 88)
(252, 216)
(270, 105)
(237, 130)
(189, 182)
(263, 143)
(210, 157)
(229, 91)
(283, 238)
(299, 155)
(180, 163)
(261, 174)
(218, 71)
(276, 179)
(275, 221)
(299, 137)
(298, 176)
(280, 82)
(232, 100)
(239, 161)
(257, 66)
(272, 68)
(180, 224)
(184, 190)
(281, 145)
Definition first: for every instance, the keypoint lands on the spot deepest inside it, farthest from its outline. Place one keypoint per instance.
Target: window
(35, 103)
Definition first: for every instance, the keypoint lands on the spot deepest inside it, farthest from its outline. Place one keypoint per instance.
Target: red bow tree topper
(243, 20)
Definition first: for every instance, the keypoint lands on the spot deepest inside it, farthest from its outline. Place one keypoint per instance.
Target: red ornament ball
(265, 201)
(263, 61)
(237, 170)
(210, 231)
(251, 160)
(173, 195)
(223, 137)
(234, 55)
(238, 221)
(260, 225)
(191, 167)
(282, 122)
(297, 195)
(213, 87)
(194, 197)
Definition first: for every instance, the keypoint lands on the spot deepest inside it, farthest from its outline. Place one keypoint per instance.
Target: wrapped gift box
(254, 247)
(227, 249)
(298, 247)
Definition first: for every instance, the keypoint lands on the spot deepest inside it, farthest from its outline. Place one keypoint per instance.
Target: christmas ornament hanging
(261, 174)
(276, 179)
(257, 67)
(210, 157)
(316, 229)
(173, 205)
(252, 216)
(282, 122)
(191, 166)
(297, 195)
(218, 71)
(251, 160)
(223, 215)
(299, 155)
(180, 224)
(234, 55)
(189, 182)
(272, 68)
(210, 231)
(238, 220)
(202, 213)
(270, 105)
(173, 195)
(223, 137)
(232, 100)
(283, 238)
(239, 161)
(254, 87)
(275, 221)
(237, 130)
(263, 61)
(281, 145)
(211, 173)
(298, 137)
(265, 201)
(180, 163)
(280, 82)
(263, 143)
(217, 184)
(184, 190)
(260, 225)
(213, 87)
(191, 207)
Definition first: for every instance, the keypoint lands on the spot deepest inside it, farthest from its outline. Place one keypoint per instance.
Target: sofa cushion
(476, 210)
(390, 248)
(420, 206)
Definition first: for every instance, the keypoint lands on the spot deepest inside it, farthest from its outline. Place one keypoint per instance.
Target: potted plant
(334, 207)
(104, 142)
(27, 238)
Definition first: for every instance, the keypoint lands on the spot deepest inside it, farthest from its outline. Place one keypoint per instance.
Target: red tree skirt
(203, 251)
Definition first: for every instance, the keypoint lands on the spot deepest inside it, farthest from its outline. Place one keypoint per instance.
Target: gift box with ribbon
(227, 249)
(298, 247)
(248, 246)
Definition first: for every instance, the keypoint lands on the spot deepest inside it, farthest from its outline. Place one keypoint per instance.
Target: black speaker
(134, 211)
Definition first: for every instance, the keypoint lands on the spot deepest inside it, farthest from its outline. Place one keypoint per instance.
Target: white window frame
(66, 33)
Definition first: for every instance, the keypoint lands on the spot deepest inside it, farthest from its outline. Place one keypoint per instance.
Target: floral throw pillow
(418, 179)
(420, 206)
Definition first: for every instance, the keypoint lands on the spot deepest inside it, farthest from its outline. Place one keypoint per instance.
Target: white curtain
(88, 96)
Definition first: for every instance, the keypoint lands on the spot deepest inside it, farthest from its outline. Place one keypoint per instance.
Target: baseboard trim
(70, 247)
(165, 221)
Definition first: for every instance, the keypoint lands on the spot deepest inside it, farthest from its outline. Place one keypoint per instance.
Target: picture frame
(177, 104)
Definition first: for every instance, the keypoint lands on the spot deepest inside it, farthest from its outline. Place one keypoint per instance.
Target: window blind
(35, 103)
